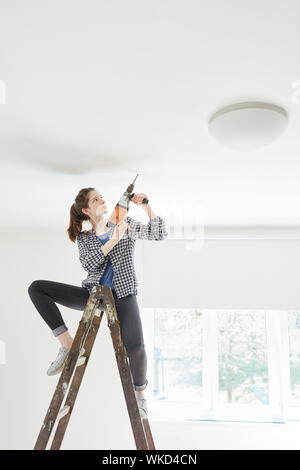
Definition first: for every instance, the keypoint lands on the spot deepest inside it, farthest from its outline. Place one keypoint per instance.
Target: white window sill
(167, 411)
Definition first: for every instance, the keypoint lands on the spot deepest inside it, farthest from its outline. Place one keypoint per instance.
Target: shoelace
(142, 404)
(59, 358)
(62, 352)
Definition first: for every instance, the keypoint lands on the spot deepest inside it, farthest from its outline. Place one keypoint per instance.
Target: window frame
(279, 409)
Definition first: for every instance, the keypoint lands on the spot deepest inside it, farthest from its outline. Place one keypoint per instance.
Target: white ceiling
(97, 91)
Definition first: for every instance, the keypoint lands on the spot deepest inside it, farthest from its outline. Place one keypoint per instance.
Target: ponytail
(76, 214)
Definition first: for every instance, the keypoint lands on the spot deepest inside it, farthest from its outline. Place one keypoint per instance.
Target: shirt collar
(109, 224)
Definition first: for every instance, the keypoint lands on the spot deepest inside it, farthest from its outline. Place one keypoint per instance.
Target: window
(230, 365)
(177, 355)
(294, 356)
(243, 366)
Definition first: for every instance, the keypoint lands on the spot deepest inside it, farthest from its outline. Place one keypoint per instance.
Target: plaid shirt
(94, 261)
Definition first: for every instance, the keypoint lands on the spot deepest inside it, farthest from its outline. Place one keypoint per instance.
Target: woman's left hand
(138, 198)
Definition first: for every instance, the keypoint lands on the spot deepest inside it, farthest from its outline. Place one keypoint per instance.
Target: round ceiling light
(248, 125)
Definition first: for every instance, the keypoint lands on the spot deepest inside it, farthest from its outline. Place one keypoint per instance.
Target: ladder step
(81, 361)
(63, 412)
(99, 311)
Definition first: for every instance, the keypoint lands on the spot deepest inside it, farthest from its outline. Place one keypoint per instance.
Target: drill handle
(145, 201)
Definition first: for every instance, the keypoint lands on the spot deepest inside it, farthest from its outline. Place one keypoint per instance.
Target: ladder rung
(98, 311)
(81, 361)
(63, 412)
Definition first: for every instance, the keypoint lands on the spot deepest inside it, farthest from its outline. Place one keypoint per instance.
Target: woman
(107, 254)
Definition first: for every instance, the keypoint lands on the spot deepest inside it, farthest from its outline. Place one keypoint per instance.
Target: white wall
(241, 269)
(28, 254)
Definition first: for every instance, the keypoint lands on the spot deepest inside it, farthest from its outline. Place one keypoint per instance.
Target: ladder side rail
(76, 382)
(66, 374)
(124, 371)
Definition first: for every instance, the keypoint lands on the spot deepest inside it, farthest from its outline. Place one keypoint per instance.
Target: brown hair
(76, 214)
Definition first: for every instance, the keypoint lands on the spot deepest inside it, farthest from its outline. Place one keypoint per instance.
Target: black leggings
(44, 295)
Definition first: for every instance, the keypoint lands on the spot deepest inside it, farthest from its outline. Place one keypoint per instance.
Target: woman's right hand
(119, 230)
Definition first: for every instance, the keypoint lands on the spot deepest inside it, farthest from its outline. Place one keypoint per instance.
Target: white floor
(207, 435)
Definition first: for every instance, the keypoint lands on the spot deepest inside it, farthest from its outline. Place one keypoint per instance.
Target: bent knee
(34, 286)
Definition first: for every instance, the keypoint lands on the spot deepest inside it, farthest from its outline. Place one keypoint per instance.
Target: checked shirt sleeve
(155, 229)
(91, 260)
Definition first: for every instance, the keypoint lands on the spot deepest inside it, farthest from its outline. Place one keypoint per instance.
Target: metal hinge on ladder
(77, 361)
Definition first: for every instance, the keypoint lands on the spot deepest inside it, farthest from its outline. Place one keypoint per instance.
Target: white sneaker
(142, 404)
(58, 364)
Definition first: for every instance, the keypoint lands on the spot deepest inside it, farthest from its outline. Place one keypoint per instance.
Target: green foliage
(242, 356)
(243, 374)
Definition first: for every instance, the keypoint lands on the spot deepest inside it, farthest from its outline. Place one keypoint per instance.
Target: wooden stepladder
(100, 300)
